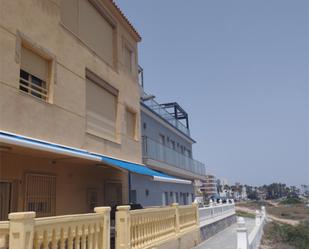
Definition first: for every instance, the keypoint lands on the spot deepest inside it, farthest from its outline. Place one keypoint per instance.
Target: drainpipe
(129, 183)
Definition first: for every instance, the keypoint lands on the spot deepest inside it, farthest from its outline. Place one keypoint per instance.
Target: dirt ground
(289, 214)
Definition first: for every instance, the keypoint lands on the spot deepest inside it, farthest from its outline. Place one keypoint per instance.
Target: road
(226, 239)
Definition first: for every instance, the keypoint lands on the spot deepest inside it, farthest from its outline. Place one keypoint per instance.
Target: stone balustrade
(158, 227)
(4, 234)
(80, 231)
(149, 228)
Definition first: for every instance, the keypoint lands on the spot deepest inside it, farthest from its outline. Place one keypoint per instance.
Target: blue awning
(143, 170)
(14, 139)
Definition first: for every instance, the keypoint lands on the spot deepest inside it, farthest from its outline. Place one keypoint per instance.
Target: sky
(240, 70)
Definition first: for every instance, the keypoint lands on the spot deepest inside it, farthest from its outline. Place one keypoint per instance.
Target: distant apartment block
(209, 186)
(167, 148)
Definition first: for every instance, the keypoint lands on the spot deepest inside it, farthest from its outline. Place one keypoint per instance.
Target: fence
(80, 231)
(215, 213)
(147, 228)
(4, 234)
(253, 240)
(135, 229)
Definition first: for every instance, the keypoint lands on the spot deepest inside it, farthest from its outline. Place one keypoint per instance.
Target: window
(101, 107)
(162, 139)
(33, 74)
(144, 126)
(173, 144)
(128, 59)
(90, 22)
(133, 196)
(187, 152)
(130, 123)
(41, 194)
(164, 198)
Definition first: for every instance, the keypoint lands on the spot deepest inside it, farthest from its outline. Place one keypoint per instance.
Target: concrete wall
(214, 228)
(73, 180)
(142, 183)
(62, 119)
(186, 241)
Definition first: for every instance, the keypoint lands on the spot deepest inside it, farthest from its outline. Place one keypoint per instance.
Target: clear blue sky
(240, 69)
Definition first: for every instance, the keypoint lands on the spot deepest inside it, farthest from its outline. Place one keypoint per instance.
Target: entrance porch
(52, 183)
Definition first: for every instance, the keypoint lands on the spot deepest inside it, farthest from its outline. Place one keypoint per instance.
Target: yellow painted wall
(63, 120)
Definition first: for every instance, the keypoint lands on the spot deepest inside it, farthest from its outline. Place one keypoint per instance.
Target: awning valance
(18, 140)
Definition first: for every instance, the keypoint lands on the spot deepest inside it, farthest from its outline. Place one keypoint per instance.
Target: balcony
(167, 116)
(161, 153)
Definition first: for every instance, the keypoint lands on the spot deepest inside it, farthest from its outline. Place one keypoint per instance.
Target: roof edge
(126, 20)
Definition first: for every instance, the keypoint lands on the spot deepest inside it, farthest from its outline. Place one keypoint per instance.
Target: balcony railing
(159, 152)
(157, 108)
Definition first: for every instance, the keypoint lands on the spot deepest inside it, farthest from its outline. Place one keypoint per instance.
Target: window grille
(33, 85)
(34, 71)
(41, 194)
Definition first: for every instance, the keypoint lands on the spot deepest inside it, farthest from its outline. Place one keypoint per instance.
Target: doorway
(5, 199)
(113, 193)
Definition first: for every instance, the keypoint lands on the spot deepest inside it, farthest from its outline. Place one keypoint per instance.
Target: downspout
(129, 183)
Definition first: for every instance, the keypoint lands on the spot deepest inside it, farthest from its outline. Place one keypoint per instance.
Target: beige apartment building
(69, 94)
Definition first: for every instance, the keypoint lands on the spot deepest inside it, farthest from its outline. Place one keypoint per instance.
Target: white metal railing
(159, 152)
(251, 241)
(214, 213)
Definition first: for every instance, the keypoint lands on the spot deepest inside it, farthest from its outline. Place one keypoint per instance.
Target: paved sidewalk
(226, 239)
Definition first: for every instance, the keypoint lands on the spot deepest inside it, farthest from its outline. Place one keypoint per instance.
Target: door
(113, 193)
(5, 199)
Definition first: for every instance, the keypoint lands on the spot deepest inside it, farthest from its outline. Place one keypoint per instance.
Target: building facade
(68, 92)
(209, 186)
(167, 148)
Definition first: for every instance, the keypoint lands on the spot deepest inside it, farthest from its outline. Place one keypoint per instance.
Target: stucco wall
(141, 183)
(63, 120)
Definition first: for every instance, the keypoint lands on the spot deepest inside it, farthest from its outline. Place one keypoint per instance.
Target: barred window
(41, 194)
(33, 74)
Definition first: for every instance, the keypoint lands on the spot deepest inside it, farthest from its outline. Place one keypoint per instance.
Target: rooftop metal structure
(171, 112)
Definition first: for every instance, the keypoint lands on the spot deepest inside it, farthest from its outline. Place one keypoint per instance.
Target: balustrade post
(104, 240)
(21, 230)
(257, 217)
(197, 214)
(242, 235)
(123, 223)
(177, 222)
(263, 211)
(211, 203)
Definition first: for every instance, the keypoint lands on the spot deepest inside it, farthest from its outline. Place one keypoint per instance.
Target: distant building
(304, 190)
(167, 148)
(209, 186)
(244, 193)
